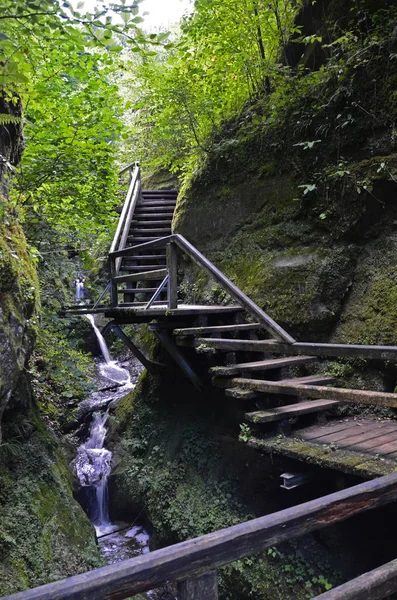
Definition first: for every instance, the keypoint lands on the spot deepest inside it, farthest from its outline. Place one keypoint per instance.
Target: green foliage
(62, 374)
(222, 58)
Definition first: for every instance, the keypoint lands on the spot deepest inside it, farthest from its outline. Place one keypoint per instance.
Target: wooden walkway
(281, 385)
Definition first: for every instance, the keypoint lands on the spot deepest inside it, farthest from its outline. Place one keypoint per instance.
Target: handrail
(249, 305)
(129, 167)
(284, 342)
(125, 213)
(196, 559)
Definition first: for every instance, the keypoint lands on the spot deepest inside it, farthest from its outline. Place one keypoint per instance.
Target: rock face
(18, 278)
(44, 533)
(297, 205)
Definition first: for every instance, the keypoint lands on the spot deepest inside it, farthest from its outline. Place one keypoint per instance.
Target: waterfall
(101, 340)
(79, 295)
(110, 369)
(93, 466)
(93, 462)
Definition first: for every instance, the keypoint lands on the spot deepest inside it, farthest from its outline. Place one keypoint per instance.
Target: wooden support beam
(195, 557)
(150, 365)
(204, 587)
(316, 391)
(172, 267)
(173, 350)
(374, 585)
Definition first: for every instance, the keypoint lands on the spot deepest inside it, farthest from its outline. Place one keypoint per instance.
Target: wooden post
(114, 299)
(172, 267)
(200, 588)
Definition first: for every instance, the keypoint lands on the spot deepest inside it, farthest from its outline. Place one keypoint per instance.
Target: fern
(6, 119)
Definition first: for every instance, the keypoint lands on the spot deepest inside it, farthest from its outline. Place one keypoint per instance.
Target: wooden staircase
(270, 392)
(277, 380)
(151, 220)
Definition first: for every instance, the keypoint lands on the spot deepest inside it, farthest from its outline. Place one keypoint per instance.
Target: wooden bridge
(280, 383)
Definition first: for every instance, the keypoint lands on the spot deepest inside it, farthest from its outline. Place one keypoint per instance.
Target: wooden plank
(291, 410)
(370, 438)
(263, 365)
(299, 348)
(340, 436)
(318, 391)
(312, 433)
(373, 585)
(155, 274)
(172, 266)
(223, 382)
(195, 331)
(370, 444)
(195, 557)
(204, 587)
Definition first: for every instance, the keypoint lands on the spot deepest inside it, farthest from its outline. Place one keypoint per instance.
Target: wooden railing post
(200, 588)
(172, 267)
(114, 299)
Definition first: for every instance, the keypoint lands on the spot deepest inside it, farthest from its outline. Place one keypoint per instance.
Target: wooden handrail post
(172, 267)
(114, 299)
(200, 588)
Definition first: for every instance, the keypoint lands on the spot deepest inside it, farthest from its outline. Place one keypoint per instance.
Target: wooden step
(151, 223)
(156, 192)
(195, 331)
(316, 391)
(158, 274)
(136, 231)
(221, 381)
(143, 257)
(291, 410)
(139, 267)
(228, 345)
(140, 291)
(141, 216)
(140, 240)
(263, 365)
(151, 211)
(156, 203)
(240, 394)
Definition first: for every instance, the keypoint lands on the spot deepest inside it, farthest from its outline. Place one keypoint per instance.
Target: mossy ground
(44, 533)
(171, 461)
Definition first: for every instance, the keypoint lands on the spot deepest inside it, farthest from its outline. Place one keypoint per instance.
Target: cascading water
(80, 291)
(110, 369)
(93, 462)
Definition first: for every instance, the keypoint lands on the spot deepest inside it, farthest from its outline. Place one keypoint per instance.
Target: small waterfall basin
(120, 541)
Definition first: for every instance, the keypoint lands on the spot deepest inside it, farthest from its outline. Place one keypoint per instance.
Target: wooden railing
(193, 564)
(133, 195)
(283, 343)
(171, 243)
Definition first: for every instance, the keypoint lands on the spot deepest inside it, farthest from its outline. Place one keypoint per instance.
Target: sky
(161, 13)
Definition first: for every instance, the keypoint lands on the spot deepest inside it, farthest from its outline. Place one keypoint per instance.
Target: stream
(93, 464)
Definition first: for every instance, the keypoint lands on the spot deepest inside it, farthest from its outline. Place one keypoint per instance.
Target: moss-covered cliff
(297, 202)
(44, 534)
